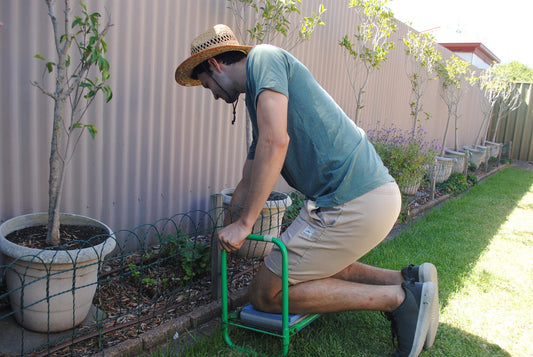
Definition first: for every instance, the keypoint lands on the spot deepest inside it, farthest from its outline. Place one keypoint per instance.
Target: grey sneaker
(423, 273)
(410, 321)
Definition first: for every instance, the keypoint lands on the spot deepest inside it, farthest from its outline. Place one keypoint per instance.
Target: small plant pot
(269, 222)
(443, 168)
(51, 290)
(495, 148)
(411, 189)
(460, 164)
(476, 156)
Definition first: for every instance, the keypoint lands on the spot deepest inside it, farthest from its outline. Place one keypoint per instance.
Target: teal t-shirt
(329, 158)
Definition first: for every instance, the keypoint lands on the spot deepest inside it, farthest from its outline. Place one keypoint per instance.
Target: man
(353, 202)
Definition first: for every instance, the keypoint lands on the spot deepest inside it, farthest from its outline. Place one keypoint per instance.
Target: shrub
(193, 254)
(404, 153)
(457, 183)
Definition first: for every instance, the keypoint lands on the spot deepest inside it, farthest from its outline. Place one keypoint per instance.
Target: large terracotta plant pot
(51, 290)
(269, 222)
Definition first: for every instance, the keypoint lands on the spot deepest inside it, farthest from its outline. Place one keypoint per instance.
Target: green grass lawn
(482, 245)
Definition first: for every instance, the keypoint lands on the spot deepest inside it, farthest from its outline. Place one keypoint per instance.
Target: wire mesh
(157, 272)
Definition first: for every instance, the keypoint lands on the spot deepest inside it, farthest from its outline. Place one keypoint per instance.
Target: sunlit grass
(496, 299)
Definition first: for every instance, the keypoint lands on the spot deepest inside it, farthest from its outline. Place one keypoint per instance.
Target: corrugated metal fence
(517, 126)
(161, 148)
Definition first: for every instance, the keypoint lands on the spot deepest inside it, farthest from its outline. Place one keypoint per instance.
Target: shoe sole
(427, 298)
(427, 272)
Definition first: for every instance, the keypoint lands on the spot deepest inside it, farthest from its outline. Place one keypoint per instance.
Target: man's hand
(232, 237)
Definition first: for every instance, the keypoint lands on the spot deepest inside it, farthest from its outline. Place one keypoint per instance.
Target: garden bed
(141, 292)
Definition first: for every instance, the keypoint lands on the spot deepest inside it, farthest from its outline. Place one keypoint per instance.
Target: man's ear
(215, 64)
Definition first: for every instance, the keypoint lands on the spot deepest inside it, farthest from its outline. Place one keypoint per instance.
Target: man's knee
(265, 291)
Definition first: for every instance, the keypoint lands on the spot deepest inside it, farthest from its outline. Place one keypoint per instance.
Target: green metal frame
(233, 319)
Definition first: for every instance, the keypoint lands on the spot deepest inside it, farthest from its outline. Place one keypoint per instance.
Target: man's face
(220, 85)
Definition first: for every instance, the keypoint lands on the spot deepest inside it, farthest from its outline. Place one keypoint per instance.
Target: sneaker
(423, 273)
(410, 321)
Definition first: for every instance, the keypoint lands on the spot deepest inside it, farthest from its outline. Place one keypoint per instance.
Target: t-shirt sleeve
(267, 68)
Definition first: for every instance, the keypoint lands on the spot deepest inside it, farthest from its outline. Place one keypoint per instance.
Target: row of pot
(457, 162)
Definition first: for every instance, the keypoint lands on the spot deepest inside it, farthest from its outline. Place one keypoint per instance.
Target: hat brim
(184, 71)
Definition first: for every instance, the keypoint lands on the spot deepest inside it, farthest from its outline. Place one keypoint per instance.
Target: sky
(504, 27)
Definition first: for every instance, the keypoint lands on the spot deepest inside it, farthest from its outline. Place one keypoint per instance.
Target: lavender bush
(407, 156)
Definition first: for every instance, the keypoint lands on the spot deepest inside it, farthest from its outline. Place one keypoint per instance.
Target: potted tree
(451, 72)
(52, 283)
(370, 46)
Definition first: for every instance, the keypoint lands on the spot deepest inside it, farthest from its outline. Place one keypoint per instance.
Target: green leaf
(76, 22)
(50, 66)
(90, 94)
(109, 93)
(39, 57)
(92, 130)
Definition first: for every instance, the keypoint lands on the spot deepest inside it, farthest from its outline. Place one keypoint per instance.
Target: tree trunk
(456, 115)
(442, 150)
(55, 181)
(500, 115)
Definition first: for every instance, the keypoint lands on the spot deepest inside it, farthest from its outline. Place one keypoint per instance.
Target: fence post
(217, 210)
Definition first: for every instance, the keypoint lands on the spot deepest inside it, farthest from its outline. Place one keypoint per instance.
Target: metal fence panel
(517, 126)
(162, 148)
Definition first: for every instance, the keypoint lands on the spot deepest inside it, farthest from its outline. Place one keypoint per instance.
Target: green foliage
(373, 40)
(423, 57)
(294, 209)
(406, 156)
(135, 272)
(471, 179)
(505, 160)
(370, 43)
(514, 72)
(272, 18)
(455, 184)
(192, 255)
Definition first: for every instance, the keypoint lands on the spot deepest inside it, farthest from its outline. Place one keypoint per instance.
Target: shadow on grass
(342, 335)
(454, 235)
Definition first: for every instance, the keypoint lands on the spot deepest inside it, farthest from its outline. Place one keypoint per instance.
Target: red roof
(476, 48)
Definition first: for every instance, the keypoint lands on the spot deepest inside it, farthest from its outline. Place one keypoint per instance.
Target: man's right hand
(232, 237)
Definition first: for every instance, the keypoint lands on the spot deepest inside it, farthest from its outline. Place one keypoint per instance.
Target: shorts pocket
(324, 216)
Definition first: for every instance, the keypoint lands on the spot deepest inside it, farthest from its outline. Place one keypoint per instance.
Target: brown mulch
(71, 237)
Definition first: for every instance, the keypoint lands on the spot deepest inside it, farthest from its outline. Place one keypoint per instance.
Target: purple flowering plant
(406, 154)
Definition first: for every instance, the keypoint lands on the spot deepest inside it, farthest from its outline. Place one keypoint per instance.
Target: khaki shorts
(322, 241)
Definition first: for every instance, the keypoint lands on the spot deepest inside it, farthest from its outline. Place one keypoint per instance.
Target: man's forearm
(238, 197)
(266, 170)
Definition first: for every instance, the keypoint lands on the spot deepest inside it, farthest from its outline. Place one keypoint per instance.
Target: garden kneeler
(282, 325)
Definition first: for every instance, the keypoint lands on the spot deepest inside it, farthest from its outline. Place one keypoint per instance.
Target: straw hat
(216, 40)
